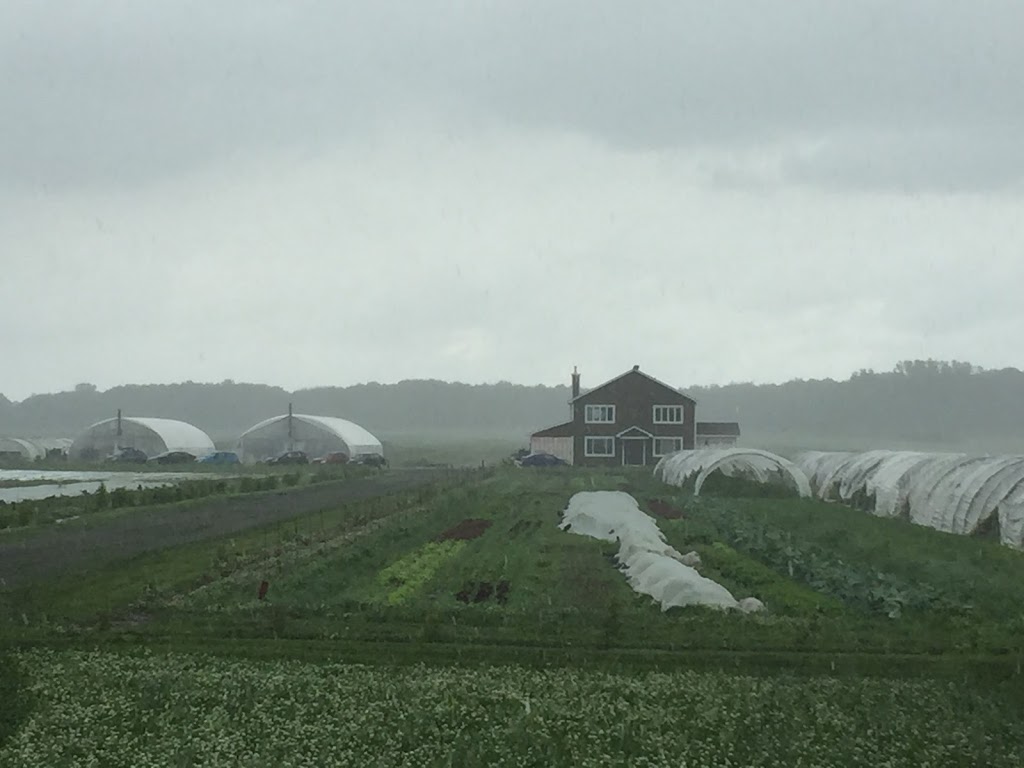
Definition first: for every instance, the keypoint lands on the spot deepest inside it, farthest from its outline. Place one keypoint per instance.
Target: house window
(663, 446)
(600, 414)
(668, 414)
(599, 446)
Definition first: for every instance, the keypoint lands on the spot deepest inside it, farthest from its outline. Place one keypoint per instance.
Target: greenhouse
(750, 463)
(952, 492)
(35, 448)
(313, 435)
(149, 435)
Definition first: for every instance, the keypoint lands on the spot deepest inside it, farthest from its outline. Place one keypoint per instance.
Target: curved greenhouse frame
(149, 435)
(753, 463)
(951, 492)
(34, 448)
(315, 435)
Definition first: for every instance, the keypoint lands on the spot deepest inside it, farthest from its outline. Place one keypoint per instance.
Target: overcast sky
(318, 193)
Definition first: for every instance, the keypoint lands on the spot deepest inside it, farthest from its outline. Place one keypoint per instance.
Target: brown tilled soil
(664, 510)
(466, 530)
(57, 551)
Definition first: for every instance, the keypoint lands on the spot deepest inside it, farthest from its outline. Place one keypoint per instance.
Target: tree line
(918, 401)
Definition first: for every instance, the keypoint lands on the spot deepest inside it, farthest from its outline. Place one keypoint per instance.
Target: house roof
(721, 428)
(559, 430)
(634, 370)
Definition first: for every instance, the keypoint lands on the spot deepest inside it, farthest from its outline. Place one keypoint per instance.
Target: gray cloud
(330, 192)
(108, 93)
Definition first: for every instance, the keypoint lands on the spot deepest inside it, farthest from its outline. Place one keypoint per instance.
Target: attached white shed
(557, 441)
(313, 435)
(152, 436)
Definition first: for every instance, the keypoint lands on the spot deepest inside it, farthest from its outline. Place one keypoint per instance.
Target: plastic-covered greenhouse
(952, 492)
(314, 435)
(33, 448)
(149, 435)
(751, 463)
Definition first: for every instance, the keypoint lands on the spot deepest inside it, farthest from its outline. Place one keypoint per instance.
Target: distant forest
(920, 403)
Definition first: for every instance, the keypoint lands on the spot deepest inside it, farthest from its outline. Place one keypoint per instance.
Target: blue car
(220, 457)
(542, 460)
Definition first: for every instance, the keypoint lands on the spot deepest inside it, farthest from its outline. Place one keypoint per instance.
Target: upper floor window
(668, 414)
(600, 414)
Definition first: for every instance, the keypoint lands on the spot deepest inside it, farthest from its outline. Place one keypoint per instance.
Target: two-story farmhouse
(633, 419)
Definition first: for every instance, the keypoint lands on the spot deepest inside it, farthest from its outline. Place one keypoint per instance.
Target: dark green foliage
(718, 484)
(884, 566)
(101, 499)
(16, 700)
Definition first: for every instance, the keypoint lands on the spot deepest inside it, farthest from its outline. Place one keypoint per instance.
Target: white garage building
(149, 435)
(313, 435)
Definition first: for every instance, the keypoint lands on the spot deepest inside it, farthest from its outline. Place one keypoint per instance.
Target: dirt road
(59, 550)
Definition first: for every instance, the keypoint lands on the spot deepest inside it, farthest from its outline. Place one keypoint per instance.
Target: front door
(634, 451)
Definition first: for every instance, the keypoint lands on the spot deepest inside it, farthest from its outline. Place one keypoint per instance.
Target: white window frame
(590, 419)
(679, 442)
(589, 451)
(656, 420)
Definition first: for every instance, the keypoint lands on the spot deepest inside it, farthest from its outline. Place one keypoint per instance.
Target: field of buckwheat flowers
(105, 709)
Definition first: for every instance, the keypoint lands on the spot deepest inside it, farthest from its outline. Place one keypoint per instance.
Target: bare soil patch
(664, 510)
(466, 530)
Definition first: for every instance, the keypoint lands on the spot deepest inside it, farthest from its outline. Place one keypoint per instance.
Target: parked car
(128, 456)
(334, 457)
(370, 460)
(173, 457)
(290, 457)
(542, 460)
(220, 457)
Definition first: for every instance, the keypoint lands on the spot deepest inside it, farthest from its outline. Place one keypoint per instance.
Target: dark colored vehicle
(128, 456)
(173, 457)
(370, 460)
(290, 457)
(220, 457)
(542, 460)
(335, 457)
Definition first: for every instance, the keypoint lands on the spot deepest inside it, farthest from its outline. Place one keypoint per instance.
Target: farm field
(41, 539)
(460, 608)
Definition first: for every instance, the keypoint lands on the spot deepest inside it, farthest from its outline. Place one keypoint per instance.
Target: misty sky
(318, 193)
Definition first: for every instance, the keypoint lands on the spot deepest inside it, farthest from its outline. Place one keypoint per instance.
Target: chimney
(636, 368)
(575, 383)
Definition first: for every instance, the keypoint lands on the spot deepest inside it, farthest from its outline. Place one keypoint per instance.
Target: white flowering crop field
(105, 709)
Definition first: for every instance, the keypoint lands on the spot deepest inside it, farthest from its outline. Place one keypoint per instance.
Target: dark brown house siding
(634, 396)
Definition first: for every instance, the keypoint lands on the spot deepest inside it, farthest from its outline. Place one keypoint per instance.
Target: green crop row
(163, 710)
(405, 576)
